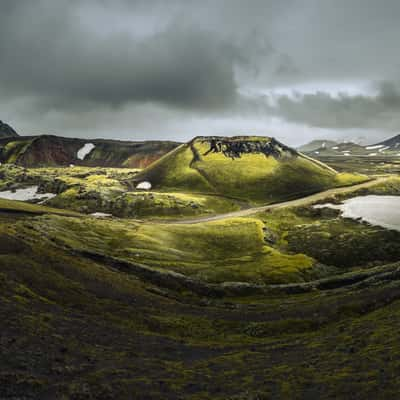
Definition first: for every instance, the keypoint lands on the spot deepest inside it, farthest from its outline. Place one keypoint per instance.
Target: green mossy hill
(251, 168)
(81, 329)
(229, 250)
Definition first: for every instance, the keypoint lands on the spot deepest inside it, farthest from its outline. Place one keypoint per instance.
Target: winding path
(290, 203)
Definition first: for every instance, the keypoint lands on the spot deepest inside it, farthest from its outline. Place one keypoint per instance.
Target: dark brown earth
(48, 150)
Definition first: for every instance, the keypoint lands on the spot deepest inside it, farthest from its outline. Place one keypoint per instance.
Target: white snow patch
(100, 215)
(328, 205)
(372, 154)
(29, 193)
(384, 148)
(85, 150)
(335, 148)
(378, 146)
(316, 152)
(145, 185)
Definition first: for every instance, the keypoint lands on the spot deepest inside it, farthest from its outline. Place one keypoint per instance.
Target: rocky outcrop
(236, 147)
(55, 186)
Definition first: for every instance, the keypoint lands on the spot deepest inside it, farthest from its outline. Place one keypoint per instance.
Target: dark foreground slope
(78, 325)
(48, 150)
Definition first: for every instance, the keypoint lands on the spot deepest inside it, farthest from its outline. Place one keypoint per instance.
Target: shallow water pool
(377, 210)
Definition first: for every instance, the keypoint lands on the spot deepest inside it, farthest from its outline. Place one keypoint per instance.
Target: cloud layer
(341, 111)
(147, 69)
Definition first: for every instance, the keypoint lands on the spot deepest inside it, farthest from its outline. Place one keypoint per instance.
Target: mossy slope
(251, 175)
(79, 329)
(229, 250)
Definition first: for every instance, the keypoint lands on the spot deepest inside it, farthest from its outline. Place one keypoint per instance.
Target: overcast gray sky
(174, 69)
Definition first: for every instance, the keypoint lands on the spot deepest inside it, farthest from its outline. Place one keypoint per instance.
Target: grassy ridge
(152, 205)
(229, 250)
(27, 208)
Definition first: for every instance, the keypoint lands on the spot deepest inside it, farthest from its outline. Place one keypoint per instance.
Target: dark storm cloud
(69, 65)
(54, 57)
(341, 111)
(72, 52)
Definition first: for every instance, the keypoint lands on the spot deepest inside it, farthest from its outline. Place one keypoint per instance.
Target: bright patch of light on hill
(85, 150)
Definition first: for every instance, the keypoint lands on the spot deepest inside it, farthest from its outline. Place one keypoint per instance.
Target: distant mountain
(6, 131)
(245, 167)
(339, 149)
(391, 144)
(49, 150)
(315, 145)
(320, 148)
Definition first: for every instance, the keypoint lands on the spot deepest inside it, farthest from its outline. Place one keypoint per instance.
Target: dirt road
(291, 203)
